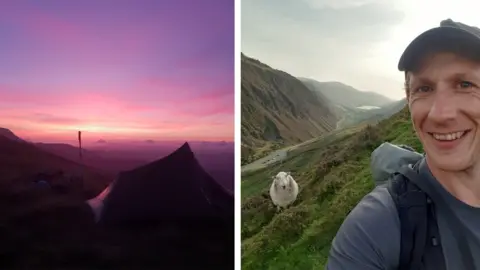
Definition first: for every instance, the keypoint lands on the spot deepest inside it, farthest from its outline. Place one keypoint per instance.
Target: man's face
(444, 101)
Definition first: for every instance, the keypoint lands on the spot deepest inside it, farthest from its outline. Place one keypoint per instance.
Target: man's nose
(444, 107)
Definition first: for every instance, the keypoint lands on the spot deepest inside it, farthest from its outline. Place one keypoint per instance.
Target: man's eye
(423, 89)
(466, 84)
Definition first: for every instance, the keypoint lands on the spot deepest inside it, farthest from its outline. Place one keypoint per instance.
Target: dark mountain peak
(9, 134)
(183, 151)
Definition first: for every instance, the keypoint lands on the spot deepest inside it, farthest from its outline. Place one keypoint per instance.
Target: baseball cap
(451, 36)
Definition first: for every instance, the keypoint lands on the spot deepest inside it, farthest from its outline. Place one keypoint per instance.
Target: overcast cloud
(357, 42)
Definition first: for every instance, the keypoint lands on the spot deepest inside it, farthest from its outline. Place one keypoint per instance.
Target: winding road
(274, 157)
(266, 161)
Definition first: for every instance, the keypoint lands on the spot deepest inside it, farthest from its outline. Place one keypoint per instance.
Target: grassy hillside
(278, 110)
(333, 175)
(345, 95)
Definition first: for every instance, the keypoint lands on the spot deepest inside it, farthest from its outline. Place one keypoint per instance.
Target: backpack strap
(433, 253)
(420, 240)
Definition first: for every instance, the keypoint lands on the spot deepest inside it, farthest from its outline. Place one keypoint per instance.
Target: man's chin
(448, 162)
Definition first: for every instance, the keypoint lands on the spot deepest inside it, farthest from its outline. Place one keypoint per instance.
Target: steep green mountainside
(278, 110)
(333, 174)
(345, 95)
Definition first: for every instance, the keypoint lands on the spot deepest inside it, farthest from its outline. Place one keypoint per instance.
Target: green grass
(333, 174)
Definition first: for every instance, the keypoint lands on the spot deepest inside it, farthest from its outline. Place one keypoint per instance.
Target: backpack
(420, 239)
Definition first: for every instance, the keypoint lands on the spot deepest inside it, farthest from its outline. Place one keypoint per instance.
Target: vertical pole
(80, 153)
(80, 144)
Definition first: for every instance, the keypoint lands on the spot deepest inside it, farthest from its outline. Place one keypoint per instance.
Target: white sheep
(284, 190)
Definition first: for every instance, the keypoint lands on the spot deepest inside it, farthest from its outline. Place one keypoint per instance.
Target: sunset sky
(117, 70)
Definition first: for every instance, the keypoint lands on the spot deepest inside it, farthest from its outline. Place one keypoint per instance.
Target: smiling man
(428, 215)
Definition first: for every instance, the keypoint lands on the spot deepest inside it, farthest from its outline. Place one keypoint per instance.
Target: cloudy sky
(115, 69)
(357, 42)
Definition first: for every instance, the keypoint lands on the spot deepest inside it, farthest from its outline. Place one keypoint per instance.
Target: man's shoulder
(378, 199)
(374, 210)
(370, 234)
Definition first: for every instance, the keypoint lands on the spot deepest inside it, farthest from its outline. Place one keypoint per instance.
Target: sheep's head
(282, 180)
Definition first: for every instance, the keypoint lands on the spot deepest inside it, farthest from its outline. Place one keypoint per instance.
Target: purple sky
(118, 69)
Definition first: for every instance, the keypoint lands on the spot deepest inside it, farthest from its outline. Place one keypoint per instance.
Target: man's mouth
(452, 136)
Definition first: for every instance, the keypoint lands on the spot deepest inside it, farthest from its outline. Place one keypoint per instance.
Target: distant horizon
(142, 72)
(91, 139)
(87, 140)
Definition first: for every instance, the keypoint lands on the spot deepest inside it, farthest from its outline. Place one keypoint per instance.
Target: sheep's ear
(288, 173)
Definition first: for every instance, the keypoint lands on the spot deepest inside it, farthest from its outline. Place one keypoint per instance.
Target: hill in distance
(111, 158)
(333, 174)
(346, 96)
(278, 110)
(106, 162)
(21, 162)
(351, 117)
(353, 106)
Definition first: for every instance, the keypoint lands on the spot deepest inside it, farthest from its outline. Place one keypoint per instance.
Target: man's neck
(463, 185)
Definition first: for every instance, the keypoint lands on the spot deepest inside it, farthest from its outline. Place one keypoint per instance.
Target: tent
(174, 187)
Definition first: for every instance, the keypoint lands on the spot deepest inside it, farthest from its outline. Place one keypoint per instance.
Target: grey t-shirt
(369, 238)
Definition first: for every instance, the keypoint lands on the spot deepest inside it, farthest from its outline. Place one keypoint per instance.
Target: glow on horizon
(144, 72)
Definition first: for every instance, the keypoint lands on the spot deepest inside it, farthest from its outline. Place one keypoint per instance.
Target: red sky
(117, 70)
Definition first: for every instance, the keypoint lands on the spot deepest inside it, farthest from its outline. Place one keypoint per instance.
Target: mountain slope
(102, 161)
(346, 96)
(333, 176)
(9, 134)
(278, 108)
(21, 161)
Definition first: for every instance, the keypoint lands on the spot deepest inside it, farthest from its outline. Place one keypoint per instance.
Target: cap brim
(445, 38)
